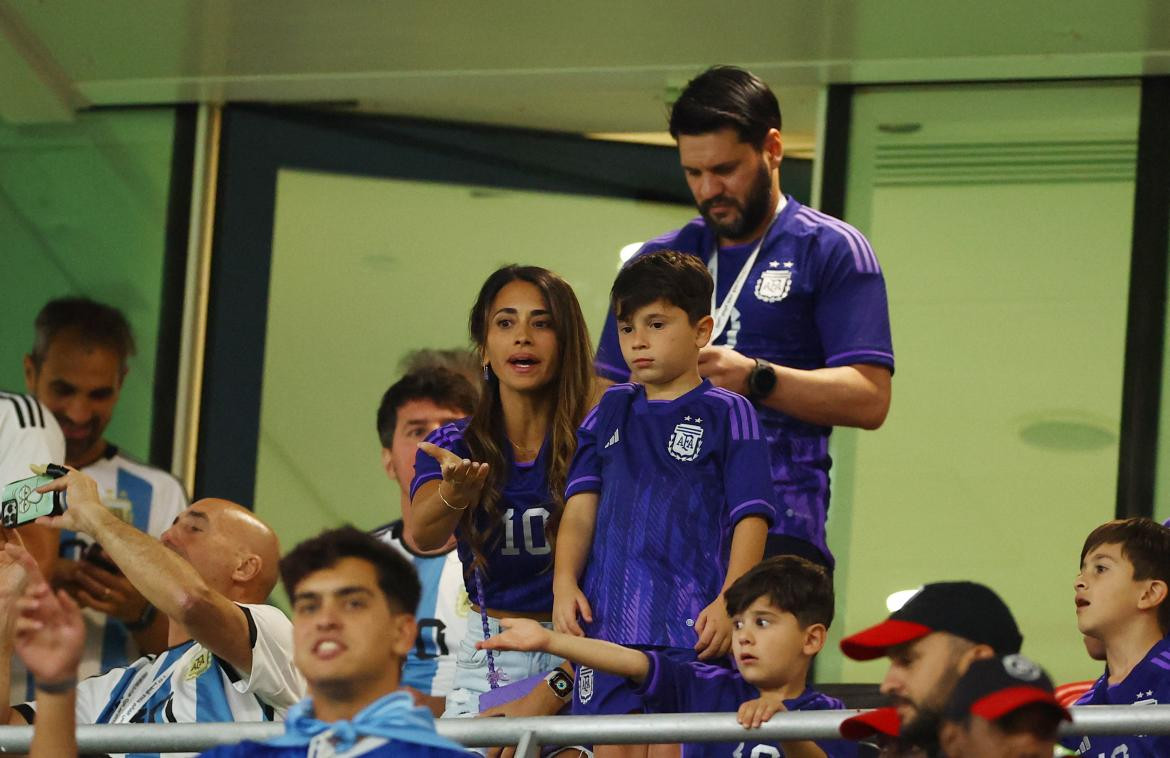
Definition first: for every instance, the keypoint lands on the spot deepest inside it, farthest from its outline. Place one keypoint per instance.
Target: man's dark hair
(1146, 544)
(396, 576)
(790, 583)
(676, 278)
(87, 320)
(443, 387)
(726, 96)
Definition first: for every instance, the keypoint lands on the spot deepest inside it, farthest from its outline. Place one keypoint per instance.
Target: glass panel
(1002, 216)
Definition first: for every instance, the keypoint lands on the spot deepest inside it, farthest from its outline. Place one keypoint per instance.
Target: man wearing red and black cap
(1002, 708)
(930, 641)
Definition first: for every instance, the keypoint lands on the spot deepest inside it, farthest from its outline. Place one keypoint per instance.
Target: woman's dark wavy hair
(568, 393)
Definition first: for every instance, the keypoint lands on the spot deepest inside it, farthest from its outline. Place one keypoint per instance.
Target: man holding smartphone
(76, 368)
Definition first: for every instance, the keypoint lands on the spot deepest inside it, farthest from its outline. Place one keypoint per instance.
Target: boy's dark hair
(1146, 544)
(396, 576)
(790, 583)
(90, 321)
(676, 278)
(443, 387)
(726, 96)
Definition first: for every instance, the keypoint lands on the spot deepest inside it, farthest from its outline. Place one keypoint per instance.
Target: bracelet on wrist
(448, 504)
(145, 620)
(57, 688)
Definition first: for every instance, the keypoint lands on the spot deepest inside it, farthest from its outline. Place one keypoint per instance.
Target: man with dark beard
(801, 319)
(930, 641)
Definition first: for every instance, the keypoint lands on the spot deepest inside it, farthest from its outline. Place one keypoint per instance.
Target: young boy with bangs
(1121, 601)
(781, 611)
(670, 492)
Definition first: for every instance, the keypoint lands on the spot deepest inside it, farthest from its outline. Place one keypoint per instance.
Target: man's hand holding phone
(84, 509)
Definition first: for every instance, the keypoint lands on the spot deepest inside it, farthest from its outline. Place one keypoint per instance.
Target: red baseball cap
(994, 687)
(883, 721)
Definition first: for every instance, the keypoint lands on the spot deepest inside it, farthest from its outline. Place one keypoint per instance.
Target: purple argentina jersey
(815, 298)
(674, 687)
(519, 560)
(674, 478)
(1147, 684)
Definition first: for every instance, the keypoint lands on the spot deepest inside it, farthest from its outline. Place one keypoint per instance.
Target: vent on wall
(1047, 162)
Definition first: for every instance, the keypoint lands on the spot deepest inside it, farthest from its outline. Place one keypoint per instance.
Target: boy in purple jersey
(668, 500)
(801, 320)
(1121, 601)
(782, 609)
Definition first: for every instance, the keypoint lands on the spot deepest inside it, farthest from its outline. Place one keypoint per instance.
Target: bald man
(229, 655)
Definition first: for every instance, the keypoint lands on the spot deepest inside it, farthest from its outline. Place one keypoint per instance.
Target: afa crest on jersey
(773, 285)
(584, 684)
(199, 665)
(685, 441)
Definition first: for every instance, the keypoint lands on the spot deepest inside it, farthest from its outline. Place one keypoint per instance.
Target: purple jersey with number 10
(674, 478)
(518, 575)
(814, 298)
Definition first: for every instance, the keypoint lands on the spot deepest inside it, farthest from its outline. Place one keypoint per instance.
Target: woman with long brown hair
(497, 479)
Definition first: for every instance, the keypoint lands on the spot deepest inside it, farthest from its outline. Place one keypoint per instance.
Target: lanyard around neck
(721, 312)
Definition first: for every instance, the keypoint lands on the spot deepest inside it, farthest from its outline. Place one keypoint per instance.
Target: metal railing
(528, 734)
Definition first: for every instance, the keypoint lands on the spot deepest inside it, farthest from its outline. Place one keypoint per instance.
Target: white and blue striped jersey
(148, 498)
(28, 434)
(441, 615)
(189, 684)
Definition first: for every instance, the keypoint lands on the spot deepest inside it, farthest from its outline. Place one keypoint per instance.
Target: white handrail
(531, 733)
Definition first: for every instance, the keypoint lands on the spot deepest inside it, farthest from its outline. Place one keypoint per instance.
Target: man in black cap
(1002, 708)
(930, 641)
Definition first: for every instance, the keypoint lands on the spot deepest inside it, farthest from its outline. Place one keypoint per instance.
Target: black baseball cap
(994, 687)
(965, 609)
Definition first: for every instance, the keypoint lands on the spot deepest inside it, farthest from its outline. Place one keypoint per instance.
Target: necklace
(522, 448)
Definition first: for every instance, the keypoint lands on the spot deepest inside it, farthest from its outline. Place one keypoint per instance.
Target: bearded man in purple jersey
(801, 319)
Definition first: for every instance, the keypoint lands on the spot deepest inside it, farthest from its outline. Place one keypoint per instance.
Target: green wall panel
(1001, 216)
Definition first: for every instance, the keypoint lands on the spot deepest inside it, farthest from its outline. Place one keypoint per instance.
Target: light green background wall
(364, 270)
(83, 211)
(1003, 224)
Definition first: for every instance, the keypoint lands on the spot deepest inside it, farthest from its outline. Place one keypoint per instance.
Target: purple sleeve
(585, 471)
(665, 686)
(427, 468)
(852, 314)
(747, 464)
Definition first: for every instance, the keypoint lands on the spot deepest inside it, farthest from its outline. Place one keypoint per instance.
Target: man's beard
(75, 448)
(922, 732)
(752, 212)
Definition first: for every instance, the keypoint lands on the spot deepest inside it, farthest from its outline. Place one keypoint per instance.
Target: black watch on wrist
(561, 684)
(761, 380)
(145, 620)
